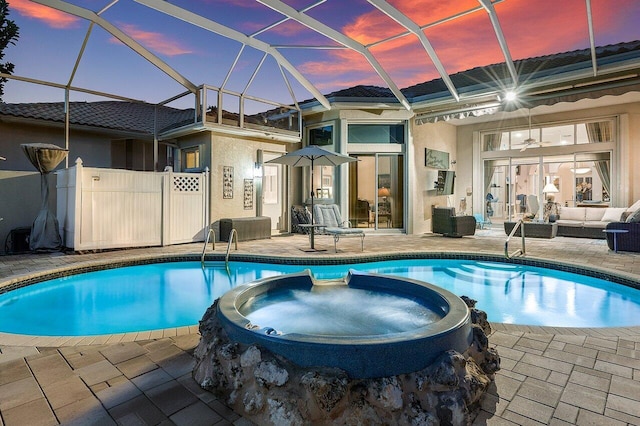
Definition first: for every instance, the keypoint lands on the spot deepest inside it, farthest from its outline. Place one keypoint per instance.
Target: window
(321, 136)
(376, 133)
(551, 135)
(191, 158)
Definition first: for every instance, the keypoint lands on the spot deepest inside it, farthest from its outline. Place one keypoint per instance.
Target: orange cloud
(52, 17)
(468, 41)
(157, 42)
(336, 62)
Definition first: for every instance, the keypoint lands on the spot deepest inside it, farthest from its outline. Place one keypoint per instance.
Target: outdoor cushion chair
(446, 222)
(328, 216)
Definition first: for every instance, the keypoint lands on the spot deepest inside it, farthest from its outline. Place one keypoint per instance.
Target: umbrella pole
(312, 227)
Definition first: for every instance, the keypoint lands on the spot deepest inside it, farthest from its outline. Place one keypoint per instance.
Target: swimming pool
(175, 294)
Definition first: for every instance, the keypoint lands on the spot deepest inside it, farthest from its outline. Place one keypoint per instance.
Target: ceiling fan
(529, 142)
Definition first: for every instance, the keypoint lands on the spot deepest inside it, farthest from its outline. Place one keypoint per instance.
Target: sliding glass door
(376, 191)
(532, 187)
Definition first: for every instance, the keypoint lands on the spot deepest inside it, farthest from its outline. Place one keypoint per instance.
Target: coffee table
(534, 229)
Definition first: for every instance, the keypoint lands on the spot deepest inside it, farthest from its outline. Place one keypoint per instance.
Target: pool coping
(19, 281)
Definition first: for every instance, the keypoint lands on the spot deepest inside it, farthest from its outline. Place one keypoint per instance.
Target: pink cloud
(52, 17)
(157, 42)
(468, 41)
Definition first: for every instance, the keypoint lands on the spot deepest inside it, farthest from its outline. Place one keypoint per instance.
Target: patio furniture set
(619, 226)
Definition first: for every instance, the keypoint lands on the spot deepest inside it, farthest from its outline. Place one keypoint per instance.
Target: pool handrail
(521, 251)
(231, 235)
(206, 241)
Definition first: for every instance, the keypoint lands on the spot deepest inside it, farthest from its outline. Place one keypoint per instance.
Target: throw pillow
(613, 214)
(635, 217)
(634, 207)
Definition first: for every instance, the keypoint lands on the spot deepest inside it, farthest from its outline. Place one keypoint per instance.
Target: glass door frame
(539, 172)
(396, 187)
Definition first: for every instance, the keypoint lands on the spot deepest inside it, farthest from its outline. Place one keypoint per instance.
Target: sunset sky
(50, 41)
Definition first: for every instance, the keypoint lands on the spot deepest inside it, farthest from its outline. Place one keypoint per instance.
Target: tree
(9, 33)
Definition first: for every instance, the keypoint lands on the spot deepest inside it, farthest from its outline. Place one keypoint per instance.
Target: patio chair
(480, 221)
(445, 222)
(328, 215)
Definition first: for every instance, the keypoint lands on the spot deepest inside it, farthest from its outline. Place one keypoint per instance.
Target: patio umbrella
(45, 235)
(311, 156)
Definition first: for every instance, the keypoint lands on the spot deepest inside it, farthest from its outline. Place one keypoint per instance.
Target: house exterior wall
(440, 136)
(241, 153)
(93, 148)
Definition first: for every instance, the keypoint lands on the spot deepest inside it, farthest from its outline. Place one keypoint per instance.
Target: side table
(615, 233)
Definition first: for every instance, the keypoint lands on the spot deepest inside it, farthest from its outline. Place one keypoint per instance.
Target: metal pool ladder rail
(231, 234)
(206, 241)
(520, 251)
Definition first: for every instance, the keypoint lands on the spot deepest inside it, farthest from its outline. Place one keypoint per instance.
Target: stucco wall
(94, 149)
(442, 137)
(241, 154)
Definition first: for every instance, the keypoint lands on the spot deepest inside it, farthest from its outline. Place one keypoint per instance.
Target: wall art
(436, 159)
(248, 194)
(227, 181)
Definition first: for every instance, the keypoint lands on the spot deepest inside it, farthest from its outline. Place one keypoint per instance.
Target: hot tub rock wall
(268, 389)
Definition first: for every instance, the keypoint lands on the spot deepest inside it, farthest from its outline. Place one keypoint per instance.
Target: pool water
(176, 294)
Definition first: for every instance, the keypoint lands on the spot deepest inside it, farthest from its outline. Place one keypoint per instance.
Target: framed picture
(227, 182)
(384, 180)
(436, 159)
(248, 194)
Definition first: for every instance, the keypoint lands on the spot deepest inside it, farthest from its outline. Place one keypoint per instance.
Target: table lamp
(384, 193)
(549, 188)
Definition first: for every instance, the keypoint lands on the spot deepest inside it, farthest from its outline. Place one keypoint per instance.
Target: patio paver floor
(548, 375)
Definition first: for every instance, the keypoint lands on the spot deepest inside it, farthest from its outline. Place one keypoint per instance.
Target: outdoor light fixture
(581, 170)
(257, 170)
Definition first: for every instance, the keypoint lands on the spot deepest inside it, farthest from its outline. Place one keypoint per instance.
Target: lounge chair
(328, 215)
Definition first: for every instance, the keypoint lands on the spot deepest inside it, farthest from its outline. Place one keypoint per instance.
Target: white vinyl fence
(110, 208)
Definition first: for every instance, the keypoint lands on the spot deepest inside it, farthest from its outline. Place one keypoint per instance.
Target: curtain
(491, 141)
(601, 132)
(489, 170)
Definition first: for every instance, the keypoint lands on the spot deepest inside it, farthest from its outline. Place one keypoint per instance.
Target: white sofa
(587, 222)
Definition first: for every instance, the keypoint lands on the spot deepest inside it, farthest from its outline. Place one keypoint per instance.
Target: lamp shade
(550, 189)
(383, 192)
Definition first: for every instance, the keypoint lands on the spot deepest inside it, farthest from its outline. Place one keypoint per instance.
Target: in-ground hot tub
(368, 325)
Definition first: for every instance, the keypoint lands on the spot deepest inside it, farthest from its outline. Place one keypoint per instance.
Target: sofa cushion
(634, 207)
(594, 213)
(635, 217)
(613, 214)
(595, 224)
(573, 213)
(573, 223)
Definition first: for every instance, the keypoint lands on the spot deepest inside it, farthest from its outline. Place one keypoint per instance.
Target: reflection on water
(177, 294)
(337, 311)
